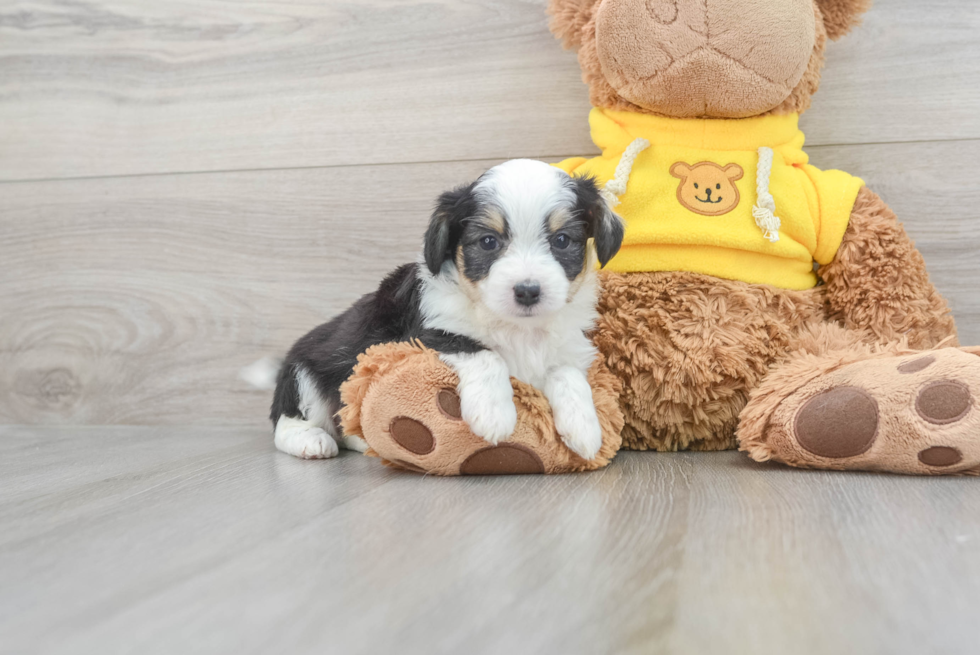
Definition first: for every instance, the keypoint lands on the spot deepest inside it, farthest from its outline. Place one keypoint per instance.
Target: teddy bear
(757, 302)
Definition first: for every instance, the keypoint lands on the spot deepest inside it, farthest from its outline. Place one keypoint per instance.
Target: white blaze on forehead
(527, 192)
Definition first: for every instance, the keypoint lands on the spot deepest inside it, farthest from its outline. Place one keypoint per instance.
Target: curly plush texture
(400, 381)
(569, 18)
(689, 348)
(841, 16)
(878, 282)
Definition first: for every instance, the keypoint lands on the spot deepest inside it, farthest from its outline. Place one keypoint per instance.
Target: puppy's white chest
(528, 357)
(531, 355)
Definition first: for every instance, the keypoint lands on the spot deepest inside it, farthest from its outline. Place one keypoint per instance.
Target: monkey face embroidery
(707, 188)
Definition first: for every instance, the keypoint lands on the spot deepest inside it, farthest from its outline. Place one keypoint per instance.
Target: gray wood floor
(188, 186)
(206, 540)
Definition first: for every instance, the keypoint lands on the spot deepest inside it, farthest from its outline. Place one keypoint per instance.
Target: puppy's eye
(695, 185)
(488, 243)
(718, 186)
(561, 241)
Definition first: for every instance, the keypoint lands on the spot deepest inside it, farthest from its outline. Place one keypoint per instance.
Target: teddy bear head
(703, 58)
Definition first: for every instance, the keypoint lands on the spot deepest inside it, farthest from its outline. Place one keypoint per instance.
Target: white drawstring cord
(617, 186)
(764, 210)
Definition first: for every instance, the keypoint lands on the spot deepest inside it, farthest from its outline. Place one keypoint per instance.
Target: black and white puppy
(506, 287)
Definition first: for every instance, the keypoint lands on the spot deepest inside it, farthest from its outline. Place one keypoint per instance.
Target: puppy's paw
(301, 439)
(570, 396)
(490, 413)
(312, 443)
(579, 428)
(485, 394)
(355, 443)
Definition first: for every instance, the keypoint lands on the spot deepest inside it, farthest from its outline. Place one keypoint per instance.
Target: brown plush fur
(689, 348)
(402, 380)
(878, 281)
(568, 19)
(841, 16)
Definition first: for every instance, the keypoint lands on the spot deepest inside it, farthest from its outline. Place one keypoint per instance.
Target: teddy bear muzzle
(682, 58)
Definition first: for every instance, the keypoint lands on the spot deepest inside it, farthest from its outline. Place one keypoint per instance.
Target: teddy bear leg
(838, 403)
(403, 400)
(689, 349)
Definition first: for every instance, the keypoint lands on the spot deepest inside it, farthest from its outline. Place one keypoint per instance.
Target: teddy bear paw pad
(940, 456)
(505, 459)
(943, 401)
(412, 435)
(449, 404)
(907, 414)
(840, 422)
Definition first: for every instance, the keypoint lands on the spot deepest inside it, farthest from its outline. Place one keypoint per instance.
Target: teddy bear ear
(841, 16)
(734, 172)
(568, 19)
(680, 169)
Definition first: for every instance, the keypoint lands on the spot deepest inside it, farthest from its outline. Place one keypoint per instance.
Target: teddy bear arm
(878, 281)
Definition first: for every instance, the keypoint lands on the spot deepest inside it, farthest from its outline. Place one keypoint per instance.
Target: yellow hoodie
(697, 198)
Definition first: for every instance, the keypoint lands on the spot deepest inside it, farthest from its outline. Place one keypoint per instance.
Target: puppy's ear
(841, 16)
(446, 225)
(605, 227)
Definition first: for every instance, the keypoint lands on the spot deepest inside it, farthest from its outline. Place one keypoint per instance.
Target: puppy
(506, 286)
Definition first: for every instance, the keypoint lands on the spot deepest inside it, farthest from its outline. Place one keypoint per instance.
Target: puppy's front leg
(567, 390)
(486, 396)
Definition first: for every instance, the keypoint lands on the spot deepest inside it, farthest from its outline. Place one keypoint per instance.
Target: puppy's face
(522, 237)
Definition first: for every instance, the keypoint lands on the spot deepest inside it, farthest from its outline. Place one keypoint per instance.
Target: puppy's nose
(708, 191)
(527, 293)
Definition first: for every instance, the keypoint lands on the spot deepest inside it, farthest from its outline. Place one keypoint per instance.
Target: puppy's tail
(262, 373)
